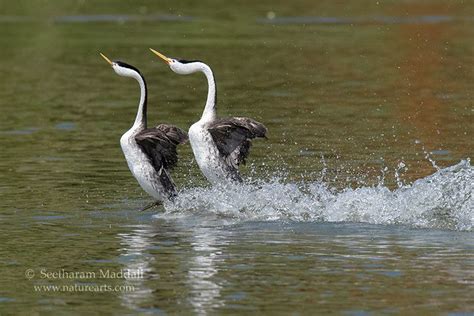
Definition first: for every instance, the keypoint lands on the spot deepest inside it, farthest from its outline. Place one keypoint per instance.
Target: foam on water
(442, 200)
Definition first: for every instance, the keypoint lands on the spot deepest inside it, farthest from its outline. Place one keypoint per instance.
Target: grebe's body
(210, 160)
(150, 152)
(219, 145)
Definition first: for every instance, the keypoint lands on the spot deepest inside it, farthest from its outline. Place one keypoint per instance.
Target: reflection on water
(207, 250)
(135, 257)
(207, 253)
(230, 267)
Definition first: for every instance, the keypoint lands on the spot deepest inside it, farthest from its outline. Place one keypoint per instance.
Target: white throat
(209, 113)
(140, 119)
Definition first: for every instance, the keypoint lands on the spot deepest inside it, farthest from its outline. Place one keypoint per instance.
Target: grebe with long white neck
(150, 152)
(220, 145)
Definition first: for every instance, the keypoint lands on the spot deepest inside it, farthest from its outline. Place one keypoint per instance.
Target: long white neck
(209, 113)
(141, 120)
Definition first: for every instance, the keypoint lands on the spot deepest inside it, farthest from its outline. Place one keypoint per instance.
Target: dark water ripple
(424, 19)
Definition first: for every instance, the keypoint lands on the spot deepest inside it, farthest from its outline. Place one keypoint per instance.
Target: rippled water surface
(360, 202)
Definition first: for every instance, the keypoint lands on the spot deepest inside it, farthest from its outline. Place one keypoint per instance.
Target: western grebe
(220, 145)
(150, 152)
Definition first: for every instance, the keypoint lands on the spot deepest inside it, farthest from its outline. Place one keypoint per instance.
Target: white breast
(206, 153)
(140, 166)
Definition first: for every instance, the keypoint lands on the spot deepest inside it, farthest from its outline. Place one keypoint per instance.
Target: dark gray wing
(159, 144)
(233, 137)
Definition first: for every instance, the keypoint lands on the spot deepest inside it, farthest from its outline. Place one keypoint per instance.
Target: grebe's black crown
(184, 61)
(125, 65)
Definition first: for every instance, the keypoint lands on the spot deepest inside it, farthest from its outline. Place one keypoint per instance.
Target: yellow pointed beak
(105, 57)
(166, 59)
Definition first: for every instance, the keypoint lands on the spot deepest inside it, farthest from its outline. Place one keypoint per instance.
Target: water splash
(443, 200)
(427, 155)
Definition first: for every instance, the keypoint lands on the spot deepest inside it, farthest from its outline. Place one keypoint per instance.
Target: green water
(346, 100)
